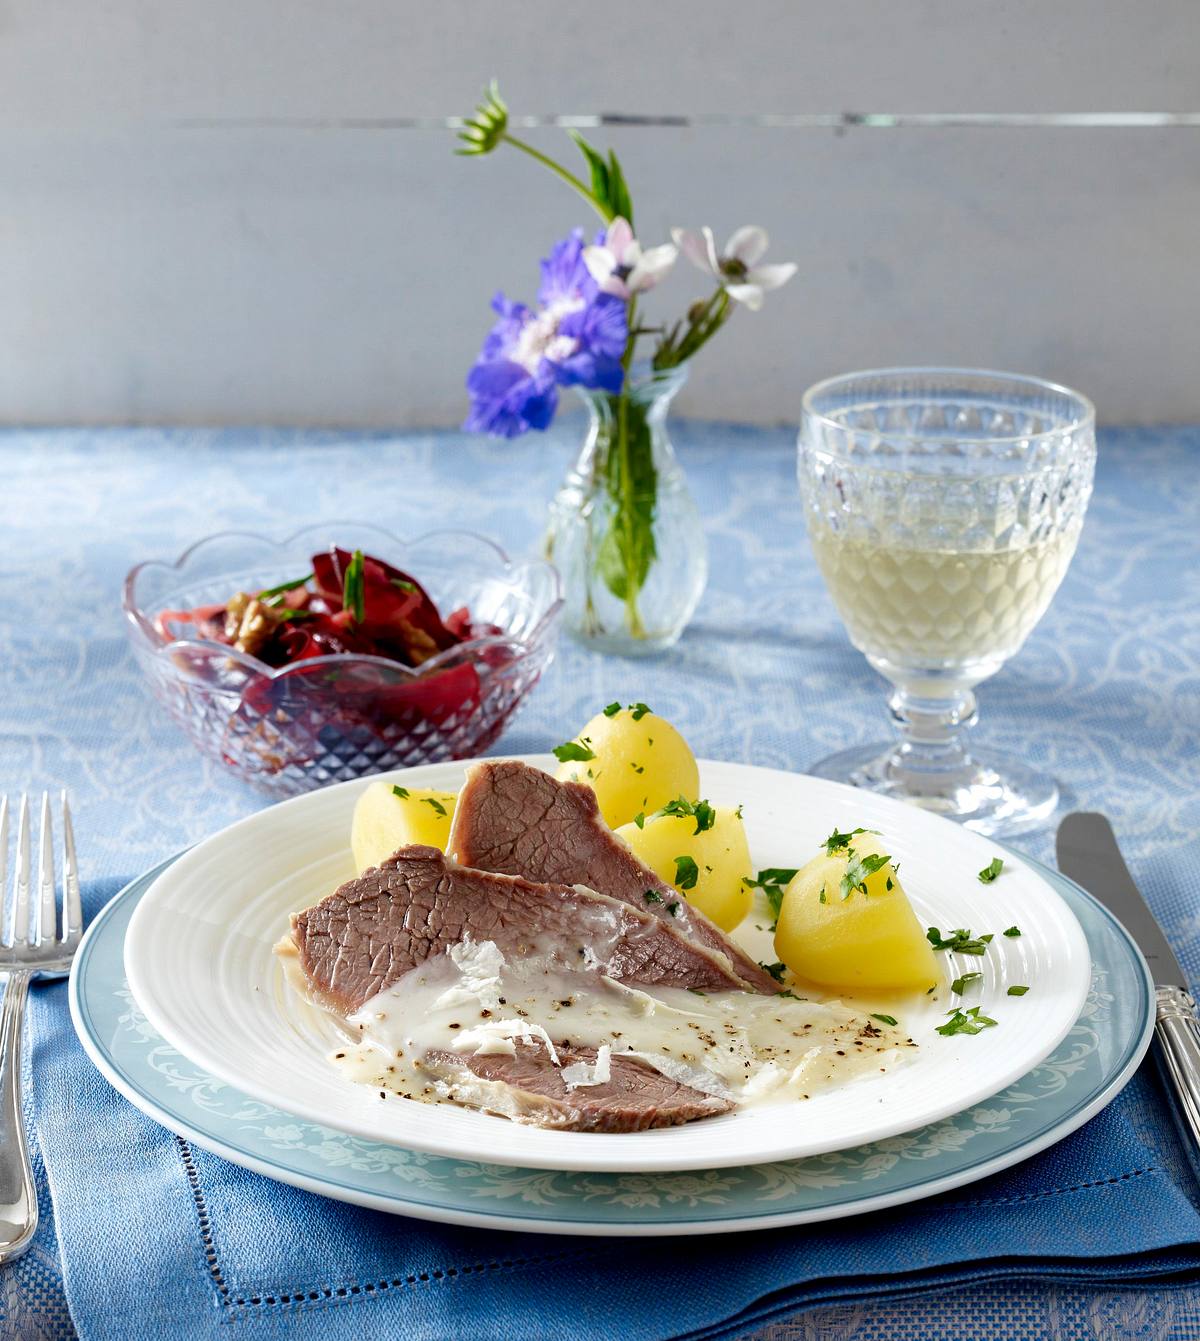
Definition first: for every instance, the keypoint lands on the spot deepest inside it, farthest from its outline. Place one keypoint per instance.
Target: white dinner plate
(199, 960)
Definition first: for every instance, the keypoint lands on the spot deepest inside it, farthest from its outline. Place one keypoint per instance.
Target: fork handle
(18, 1192)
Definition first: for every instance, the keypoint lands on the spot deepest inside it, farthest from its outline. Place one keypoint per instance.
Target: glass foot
(990, 792)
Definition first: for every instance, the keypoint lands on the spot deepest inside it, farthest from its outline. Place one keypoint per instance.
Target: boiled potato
(385, 820)
(636, 763)
(720, 853)
(866, 941)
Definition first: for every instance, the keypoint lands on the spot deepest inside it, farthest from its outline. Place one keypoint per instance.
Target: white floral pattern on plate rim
(1087, 1070)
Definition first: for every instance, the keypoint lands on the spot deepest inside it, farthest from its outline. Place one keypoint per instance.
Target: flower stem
(701, 328)
(569, 177)
(633, 620)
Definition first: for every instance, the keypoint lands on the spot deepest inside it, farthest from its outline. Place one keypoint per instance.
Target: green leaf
(965, 1022)
(572, 751)
(401, 792)
(991, 871)
(618, 190)
(960, 941)
(686, 873)
(1017, 990)
(640, 819)
(858, 869)
(284, 586)
(885, 1019)
(639, 710)
(353, 590)
(601, 187)
(435, 805)
(627, 547)
(1012, 931)
(960, 983)
(704, 815)
(652, 896)
(612, 710)
(837, 841)
(775, 970)
(773, 881)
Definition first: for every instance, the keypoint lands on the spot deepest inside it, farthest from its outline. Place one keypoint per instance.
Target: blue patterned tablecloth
(1106, 693)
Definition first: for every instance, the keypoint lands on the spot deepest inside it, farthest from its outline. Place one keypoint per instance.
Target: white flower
(621, 267)
(737, 269)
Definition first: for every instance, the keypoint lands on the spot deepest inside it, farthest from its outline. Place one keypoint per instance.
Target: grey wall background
(210, 212)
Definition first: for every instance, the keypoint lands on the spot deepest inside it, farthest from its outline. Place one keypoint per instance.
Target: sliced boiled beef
(517, 820)
(527, 1088)
(372, 930)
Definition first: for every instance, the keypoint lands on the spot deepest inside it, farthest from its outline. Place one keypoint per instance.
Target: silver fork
(32, 945)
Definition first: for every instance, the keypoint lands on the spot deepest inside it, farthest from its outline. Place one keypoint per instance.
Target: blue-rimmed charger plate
(1083, 1074)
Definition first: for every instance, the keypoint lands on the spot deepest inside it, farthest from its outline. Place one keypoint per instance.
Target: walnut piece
(249, 623)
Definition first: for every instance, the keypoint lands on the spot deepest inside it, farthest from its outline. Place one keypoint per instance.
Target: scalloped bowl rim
(141, 627)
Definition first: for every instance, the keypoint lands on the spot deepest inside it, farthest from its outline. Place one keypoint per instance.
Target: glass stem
(933, 729)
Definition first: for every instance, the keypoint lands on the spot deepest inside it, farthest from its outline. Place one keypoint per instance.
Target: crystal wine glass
(944, 506)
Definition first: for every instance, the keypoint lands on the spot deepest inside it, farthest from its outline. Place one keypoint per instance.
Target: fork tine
(21, 926)
(72, 911)
(5, 900)
(47, 913)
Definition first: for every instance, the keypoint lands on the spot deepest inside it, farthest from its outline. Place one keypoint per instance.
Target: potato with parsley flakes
(388, 816)
(846, 922)
(702, 851)
(632, 759)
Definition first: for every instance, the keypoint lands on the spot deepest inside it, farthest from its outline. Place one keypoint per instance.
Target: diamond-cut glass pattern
(333, 718)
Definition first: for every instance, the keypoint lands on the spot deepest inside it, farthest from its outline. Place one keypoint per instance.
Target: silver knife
(1089, 855)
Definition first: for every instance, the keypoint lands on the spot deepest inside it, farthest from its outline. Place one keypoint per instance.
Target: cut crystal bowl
(286, 730)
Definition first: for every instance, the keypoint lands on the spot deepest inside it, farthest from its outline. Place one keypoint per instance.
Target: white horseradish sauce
(470, 1000)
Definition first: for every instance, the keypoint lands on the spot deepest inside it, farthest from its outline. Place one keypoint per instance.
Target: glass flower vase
(624, 530)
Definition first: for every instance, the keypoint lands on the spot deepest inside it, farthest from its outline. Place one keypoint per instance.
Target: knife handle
(1178, 1031)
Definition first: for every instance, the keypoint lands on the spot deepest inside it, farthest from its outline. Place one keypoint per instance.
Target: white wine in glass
(944, 507)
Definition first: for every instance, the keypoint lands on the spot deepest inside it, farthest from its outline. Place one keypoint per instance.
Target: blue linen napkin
(159, 1238)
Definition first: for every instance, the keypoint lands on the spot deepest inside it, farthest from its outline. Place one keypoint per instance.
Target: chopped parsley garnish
(403, 584)
(695, 991)
(885, 1019)
(1017, 990)
(638, 711)
(858, 869)
(991, 871)
(738, 811)
(776, 970)
(435, 805)
(673, 909)
(353, 590)
(285, 586)
(640, 819)
(637, 768)
(573, 751)
(401, 792)
(612, 710)
(652, 896)
(773, 881)
(969, 1021)
(1012, 931)
(286, 612)
(686, 873)
(960, 941)
(704, 815)
(787, 991)
(959, 983)
(837, 842)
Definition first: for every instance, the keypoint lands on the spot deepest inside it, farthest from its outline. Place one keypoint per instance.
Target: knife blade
(1088, 854)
